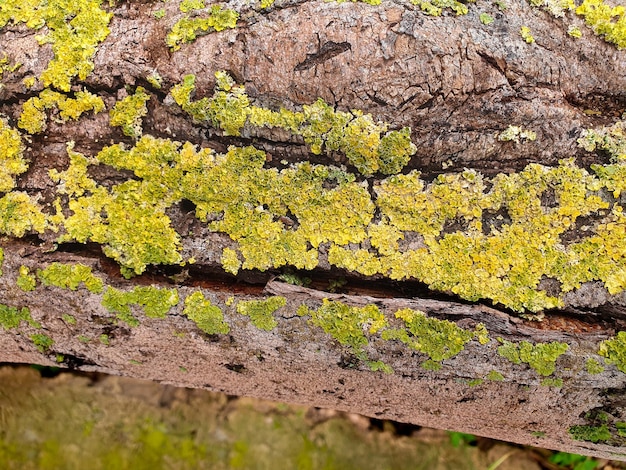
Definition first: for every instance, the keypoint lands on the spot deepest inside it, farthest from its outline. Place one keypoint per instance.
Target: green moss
(11, 317)
(592, 366)
(347, 324)
(593, 434)
(208, 317)
(70, 276)
(104, 339)
(42, 342)
(12, 161)
(261, 311)
(74, 29)
(614, 350)
(129, 112)
(187, 29)
(156, 302)
(541, 357)
(25, 280)
(605, 20)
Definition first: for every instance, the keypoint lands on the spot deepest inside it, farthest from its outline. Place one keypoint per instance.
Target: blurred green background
(51, 419)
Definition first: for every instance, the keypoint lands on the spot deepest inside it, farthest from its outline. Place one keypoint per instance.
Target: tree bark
(542, 365)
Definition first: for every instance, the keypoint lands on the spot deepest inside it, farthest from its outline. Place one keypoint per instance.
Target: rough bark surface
(458, 84)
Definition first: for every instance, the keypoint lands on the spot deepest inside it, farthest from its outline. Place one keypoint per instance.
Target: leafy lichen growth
(25, 280)
(605, 20)
(11, 317)
(19, 214)
(486, 19)
(439, 339)
(592, 366)
(74, 29)
(70, 276)
(33, 117)
(156, 302)
(187, 29)
(367, 144)
(541, 357)
(347, 324)
(261, 311)
(208, 317)
(614, 350)
(12, 161)
(515, 133)
(495, 376)
(436, 7)
(129, 112)
(42, 341)
(526, 34)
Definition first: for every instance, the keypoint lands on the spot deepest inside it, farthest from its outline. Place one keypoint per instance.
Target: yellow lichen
(12, 161)
(128, 112)
(74, 29)
(33, 117)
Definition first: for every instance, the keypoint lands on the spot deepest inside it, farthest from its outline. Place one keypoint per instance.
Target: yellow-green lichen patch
(33, 117)
(557, 8)
(611, 139)
(11, 317)
(41, 341)
(526, 34)
(436, 7)
(261, 312)
(541, 357)
(438, 339)
(19, 214)
(366, 143)
(12, 161)
(605, 20)
(515, 133)
(156, 302)
(495, 376)
(74, 29)
(188, 28)
(129, 112)
(70, 276)
(208, 317)
(348, 325)
(25, 280)
(592, 366)
(614, 351)
(129, 219)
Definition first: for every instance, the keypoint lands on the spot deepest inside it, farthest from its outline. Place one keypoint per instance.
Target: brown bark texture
(458, 84)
